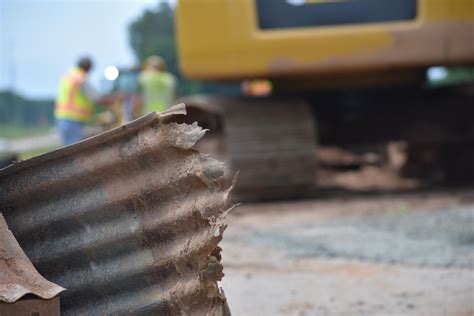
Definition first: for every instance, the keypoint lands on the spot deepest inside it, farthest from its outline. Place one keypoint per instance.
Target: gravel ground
(410, 254)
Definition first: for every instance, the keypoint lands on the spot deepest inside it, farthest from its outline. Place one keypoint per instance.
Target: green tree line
(16, 110)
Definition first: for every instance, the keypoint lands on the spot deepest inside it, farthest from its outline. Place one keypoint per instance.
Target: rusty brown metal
(128, 221)
(18, 276)
(30, 306)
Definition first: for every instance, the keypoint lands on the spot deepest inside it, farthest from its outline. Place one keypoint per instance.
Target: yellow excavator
(342, 72)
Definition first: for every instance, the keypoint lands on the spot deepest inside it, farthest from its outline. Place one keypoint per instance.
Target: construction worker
(74, 104)
(157, 86)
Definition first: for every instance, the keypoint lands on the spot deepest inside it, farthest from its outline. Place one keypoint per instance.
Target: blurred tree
(153, 33)
(19, 113)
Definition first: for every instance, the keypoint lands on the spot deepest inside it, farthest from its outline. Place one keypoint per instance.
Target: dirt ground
(385, 254)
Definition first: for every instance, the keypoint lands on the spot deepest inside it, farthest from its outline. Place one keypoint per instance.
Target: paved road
(409, 254)
(36, 142)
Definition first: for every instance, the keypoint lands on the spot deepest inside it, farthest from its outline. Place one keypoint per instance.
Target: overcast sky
(41, 39)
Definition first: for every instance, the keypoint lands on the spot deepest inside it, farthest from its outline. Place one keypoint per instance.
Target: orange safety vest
(71, 103)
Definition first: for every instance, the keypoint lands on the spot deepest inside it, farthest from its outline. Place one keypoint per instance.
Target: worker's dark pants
(71, 131)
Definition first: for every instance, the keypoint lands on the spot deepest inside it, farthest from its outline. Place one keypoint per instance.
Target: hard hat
(155, 62)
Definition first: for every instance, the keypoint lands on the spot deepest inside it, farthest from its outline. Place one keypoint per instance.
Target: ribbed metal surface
(18, 276)
(127, 221)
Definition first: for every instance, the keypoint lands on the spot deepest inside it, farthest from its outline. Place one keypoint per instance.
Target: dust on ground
(389, 254)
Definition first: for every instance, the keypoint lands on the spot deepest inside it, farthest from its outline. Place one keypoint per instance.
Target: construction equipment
(356, 67)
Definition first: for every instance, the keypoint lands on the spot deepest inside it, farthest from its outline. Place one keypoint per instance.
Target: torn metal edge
(18, 276)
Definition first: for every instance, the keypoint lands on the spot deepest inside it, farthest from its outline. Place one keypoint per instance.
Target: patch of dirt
(275, 261)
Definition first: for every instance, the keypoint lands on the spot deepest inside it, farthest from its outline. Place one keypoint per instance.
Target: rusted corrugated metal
(128, 221)
(18, 276)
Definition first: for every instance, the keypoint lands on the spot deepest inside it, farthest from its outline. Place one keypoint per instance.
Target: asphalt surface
(410, 254)
(440, 238)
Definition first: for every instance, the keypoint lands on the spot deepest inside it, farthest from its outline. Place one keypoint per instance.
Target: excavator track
(269, 142)
(272, 144)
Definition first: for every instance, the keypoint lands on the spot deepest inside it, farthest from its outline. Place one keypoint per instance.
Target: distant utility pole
(12, 83)
(12, 65)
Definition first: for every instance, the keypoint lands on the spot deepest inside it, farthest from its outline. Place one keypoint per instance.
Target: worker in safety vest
(157, 86)
(75, 102)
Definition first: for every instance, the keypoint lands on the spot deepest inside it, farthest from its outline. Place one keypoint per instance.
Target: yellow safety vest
(158, 90)
(71, 103)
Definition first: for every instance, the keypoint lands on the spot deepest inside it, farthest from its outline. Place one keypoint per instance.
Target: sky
(41, 39)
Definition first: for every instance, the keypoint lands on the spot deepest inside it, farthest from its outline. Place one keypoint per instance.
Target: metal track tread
(272, 144)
